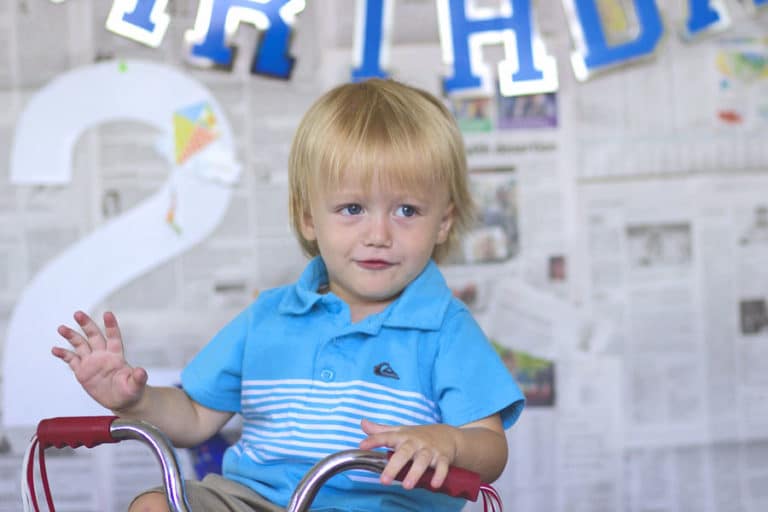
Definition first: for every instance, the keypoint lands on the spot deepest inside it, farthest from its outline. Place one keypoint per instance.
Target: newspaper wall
(618, 262)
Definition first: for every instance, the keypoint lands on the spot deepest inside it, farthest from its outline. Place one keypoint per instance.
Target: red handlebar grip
(75, 431)
(459, 483)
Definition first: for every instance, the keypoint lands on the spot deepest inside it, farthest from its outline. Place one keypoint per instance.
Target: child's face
(376, 240)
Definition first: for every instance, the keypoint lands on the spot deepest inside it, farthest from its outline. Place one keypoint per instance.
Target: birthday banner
(527, 67)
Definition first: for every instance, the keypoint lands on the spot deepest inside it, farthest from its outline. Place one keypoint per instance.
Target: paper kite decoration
(194, 128)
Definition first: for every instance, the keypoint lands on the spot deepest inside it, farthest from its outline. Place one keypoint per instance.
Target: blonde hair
(384, 129)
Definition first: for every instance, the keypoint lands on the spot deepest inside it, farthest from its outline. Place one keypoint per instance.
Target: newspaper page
(689, 305)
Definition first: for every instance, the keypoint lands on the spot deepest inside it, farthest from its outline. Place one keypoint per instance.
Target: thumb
(371, 428)
(139, 376)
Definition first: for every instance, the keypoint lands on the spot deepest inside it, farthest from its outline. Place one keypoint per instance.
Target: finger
(421, 462)
(139, 376)
(370, 427)
(378, 435)
(132, 380)
(80, 344)
(385, 439)
(114, 342)
(441, 471)
(69, 357)
(91, 330)
(396, 463)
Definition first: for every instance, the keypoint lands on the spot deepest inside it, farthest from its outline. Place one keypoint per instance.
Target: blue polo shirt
(303, 376)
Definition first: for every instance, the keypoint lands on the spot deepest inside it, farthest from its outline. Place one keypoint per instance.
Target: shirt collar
(303, 294)
(422, 304)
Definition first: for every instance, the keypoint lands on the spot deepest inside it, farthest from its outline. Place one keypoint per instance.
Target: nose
(378, 233)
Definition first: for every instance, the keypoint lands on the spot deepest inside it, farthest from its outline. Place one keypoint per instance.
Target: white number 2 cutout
(35, 384)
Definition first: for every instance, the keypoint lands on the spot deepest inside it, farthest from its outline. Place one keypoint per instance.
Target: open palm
(98, 361)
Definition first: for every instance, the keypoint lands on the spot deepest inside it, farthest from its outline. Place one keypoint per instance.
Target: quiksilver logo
(385, 370)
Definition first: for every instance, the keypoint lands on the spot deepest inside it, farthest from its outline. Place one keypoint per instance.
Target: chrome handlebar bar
(94, 430)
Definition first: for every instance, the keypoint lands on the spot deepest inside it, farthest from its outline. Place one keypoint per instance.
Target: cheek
(331, 236)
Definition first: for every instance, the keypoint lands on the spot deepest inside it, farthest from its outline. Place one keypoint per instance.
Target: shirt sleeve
(471, 381)
(213, 377)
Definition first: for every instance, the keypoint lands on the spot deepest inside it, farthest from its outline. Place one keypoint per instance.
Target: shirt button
(327, 375)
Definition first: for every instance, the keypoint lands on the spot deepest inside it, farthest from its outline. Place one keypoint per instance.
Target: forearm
(482, 450)
(185, 422)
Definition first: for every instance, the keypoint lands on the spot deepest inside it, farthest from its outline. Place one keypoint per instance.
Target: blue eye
(405, 210)
(352, 209)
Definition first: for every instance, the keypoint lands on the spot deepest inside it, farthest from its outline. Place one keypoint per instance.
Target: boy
(368, 349)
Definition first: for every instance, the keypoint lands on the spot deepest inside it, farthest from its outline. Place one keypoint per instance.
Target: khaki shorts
(217, 494)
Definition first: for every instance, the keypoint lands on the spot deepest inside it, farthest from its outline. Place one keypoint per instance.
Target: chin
(381, 295)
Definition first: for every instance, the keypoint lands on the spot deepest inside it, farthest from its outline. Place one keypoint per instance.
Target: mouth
(374, 264)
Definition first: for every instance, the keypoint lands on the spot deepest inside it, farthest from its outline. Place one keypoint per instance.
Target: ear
(445, 224)
(308, 227)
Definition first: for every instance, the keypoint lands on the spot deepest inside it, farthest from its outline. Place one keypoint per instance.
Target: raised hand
(425, 445)
(98, 362)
